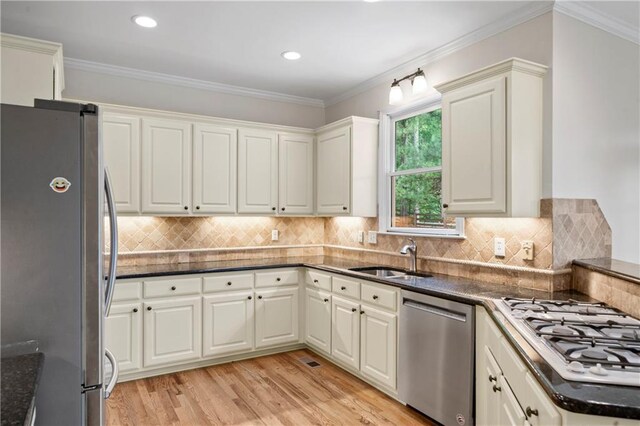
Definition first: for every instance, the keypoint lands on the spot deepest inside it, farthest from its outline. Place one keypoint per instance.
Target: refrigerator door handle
(114, 375)
(113, 227)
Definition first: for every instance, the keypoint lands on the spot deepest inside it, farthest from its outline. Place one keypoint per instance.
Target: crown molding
(586, 13)
(518, 17)
(156, 77)
(30, 44)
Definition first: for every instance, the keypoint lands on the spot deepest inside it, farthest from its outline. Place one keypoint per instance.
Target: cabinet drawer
(277, 278)
(227, 282)
(318, 280)
(346, 287)
(172, 287)
(127, 290)
(512, 367)
(378, 296)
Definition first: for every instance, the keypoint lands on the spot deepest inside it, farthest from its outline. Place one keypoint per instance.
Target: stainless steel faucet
(412, 249)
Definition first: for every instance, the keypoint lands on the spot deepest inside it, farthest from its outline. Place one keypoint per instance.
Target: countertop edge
(606, 271)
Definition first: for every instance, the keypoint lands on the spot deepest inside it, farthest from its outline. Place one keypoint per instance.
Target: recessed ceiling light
(144, 21)
(371, 1)
(291, 55)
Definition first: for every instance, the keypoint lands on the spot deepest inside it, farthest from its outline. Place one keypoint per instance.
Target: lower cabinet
(345, 331)
(227, 323)
(276, 317)
(378, 345)
(318, 320)
(123, 335)
(172, 330)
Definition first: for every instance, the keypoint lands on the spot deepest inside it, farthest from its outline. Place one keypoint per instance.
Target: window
(411, 201)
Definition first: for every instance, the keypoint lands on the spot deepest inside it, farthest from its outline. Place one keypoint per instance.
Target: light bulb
(395, 94)
(144, 21)
(419, 84)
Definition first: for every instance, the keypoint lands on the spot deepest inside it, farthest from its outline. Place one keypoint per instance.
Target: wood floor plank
(272, 390)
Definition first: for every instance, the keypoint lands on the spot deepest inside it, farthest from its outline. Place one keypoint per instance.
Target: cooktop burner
(582, 341)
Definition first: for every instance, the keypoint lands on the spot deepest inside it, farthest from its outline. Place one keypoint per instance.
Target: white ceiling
(239, 43)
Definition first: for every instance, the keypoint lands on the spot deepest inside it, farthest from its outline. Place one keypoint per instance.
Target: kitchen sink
(386, 272)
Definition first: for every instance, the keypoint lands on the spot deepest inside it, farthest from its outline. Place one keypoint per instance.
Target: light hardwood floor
(272, 390)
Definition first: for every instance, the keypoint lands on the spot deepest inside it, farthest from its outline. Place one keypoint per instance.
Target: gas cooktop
(587, 342)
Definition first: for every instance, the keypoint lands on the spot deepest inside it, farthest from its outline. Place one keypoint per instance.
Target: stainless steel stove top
(588, 342)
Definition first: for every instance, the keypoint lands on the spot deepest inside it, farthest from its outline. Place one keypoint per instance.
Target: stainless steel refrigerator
(56, 278)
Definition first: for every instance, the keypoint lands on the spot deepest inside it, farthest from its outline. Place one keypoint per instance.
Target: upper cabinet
(295, 173)
(257, 171)
(346, 168)
(30, 69)
(215, 157)
(492, 141)
(166, 166)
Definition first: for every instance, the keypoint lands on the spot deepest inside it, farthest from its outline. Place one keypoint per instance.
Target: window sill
(425, 235)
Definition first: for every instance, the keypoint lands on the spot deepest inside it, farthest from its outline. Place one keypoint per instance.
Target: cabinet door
(487, 398)
(510, 413)
(378, 345)
(474, 166)
(257, 172)
(172, 331)
(214, 169)
(228, 323)
(276, 317)
(123, 335)
(121, 142)
(295, 168)
(333, 165)
(345, 331)
(166, 166)
(318, 321)
(535, 400)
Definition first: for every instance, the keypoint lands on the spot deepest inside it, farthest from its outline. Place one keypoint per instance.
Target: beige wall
(596, 126)
(103, 88)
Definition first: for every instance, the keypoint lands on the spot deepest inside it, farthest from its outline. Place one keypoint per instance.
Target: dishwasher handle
(435, 310)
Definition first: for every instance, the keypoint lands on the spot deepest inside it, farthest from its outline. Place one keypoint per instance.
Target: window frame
(386, 170)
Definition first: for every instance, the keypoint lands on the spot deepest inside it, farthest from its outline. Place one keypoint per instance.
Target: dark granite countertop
(616, 268)
(587, 398)
(20, 375)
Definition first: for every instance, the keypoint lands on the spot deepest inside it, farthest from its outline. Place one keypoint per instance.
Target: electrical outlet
(499, 247)
(373, 237)
(274, 235)
(527, 248)
(361, 237)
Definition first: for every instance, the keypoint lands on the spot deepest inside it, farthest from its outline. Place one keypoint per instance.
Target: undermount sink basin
(386, 272)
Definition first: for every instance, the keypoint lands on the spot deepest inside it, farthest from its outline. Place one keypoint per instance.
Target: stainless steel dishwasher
(436, 357)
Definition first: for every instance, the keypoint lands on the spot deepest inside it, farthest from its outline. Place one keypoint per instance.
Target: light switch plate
(527, 249)
(361, 237)
(373, 237)
(274, 235)
(499, 247)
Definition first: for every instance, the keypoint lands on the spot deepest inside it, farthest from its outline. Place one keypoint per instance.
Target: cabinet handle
(173, 287)
(326, 300)
(493, 378)
(497, 388)
(197, 207)
(529, 412)
(344, 208)
(353, 309)
(273, 208)
(282, 209)
(229, 283)
(445, 206)
(343, 288)
(278, 279)
(375, 297)
(249, 298)
(315, 281)
(135, 309)
(186, 207)
(259, 297)
(148, 308)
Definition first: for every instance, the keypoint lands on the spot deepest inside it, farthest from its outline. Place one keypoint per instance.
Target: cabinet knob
(249, 297)
(315, 281)
(135, 309)
(173, 287)
(259, 297)
(148, 308)
(497, 388)
(326, 300)
(361, 312)
(375, 297)
(197, 207)
(278, 279)
(353, 309)
(344, 208)
(273, 208)
(229, 283)
(529, 412)
(493, 378)
(186, 207)
(445, 206)
(343, 288)
(282, 209)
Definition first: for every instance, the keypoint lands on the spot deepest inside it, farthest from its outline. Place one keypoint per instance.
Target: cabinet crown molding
(509, 65)
(345, 121)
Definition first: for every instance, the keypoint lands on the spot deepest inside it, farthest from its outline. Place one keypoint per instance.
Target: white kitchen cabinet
(318, 320)
(257, 171)
(123, 335)
(215, 151)
(510, 412)
(172, 330)
(487, 397)
(277, 317)
(378, 345)
(227, 323)
(492, 141)
(121, 147)
(30, 69)
(346, 168)
(166, 166)
(295, 173)
(345, 331)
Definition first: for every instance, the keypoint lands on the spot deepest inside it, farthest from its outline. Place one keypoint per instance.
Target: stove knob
(575, 367)
(598, 370)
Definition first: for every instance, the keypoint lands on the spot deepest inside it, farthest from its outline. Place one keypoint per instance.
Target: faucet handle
(412, 241)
